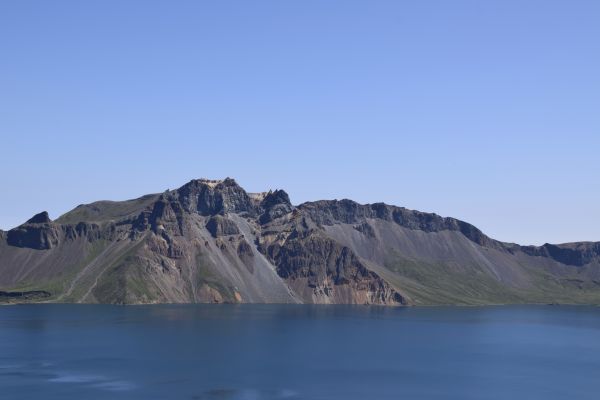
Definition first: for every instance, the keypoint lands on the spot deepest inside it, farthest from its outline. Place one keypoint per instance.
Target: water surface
(230, 352)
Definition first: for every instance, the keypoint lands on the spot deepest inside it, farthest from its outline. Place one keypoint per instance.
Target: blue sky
(488, 111)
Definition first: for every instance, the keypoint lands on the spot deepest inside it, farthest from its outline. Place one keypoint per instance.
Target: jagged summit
(211, 241)
(209, 197)
(41, 218)
(213, 182)
(275, 204)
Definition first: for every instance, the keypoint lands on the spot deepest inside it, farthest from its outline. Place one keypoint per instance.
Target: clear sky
(488, 111)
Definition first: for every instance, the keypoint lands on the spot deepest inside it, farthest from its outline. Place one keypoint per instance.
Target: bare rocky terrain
(212, 242)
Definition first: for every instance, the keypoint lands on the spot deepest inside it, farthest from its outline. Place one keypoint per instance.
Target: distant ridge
(210, 241)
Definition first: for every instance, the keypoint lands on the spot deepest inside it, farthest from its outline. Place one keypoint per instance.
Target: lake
(230, 352)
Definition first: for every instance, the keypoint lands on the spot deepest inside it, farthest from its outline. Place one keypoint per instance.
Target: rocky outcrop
(33, 237)
(275, 205)
(366, 229)
(209, 197)
(245, 254)
(330, 212)
(40, 233)
(37, 233)
(329, 272)
(218, 225)
(41, 218)
(9, 297)
(577, 254)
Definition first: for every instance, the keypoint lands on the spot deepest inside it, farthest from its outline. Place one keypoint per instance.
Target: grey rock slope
(211, 241)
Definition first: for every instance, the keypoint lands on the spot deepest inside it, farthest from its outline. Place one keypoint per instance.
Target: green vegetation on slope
(106, 210)
(431, 283)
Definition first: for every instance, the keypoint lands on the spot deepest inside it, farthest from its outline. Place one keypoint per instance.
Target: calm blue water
(252, 352)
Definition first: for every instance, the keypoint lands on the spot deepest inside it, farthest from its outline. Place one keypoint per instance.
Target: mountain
(210, 241)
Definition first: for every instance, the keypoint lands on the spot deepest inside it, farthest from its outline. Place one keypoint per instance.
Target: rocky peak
(41, 218)
(37, 233)
(274, 205)
(273, 198)
(210, 197)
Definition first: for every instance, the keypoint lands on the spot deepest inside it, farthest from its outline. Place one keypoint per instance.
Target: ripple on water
(246, 394)
(95, 381)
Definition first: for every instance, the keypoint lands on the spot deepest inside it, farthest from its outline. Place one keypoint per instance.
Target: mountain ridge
(211, 241)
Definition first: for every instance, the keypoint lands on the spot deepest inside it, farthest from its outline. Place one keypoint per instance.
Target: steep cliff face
(208, 197)
(37, 233)
(211, 241)
(435, 260)
(577, 254)
(331, 212)
(322, 271)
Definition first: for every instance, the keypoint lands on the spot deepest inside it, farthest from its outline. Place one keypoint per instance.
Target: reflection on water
(237, 352)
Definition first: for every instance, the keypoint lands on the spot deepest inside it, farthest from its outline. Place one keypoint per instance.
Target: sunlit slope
(211, 241)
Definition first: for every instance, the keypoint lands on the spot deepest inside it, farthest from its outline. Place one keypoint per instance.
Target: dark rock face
(218, 225)
(330, 212)
(90, 231)
(41, 218)
(34, 236)
(275, 204)
(37, 233)
(215, 197)
(27, 295)
(43, 235)
(577, 254)
(245, 253)
(331, 271)
(366, 229)
(167, 214)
